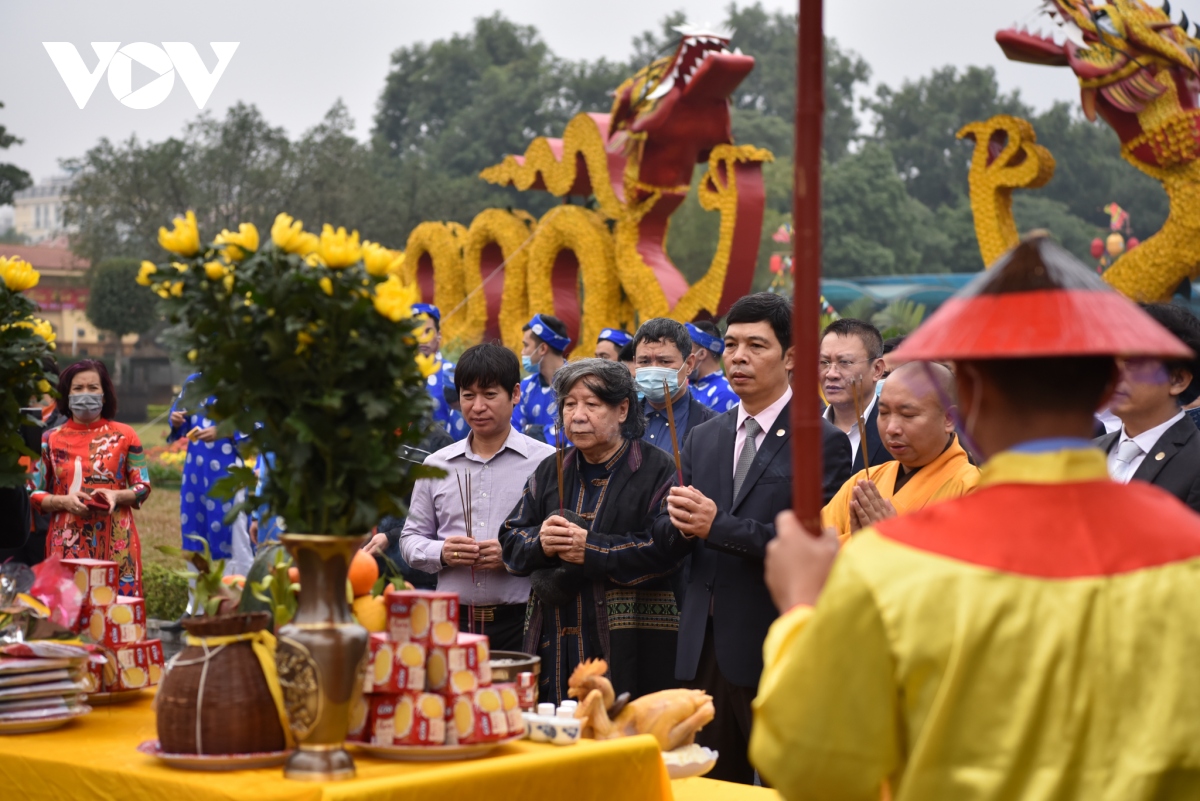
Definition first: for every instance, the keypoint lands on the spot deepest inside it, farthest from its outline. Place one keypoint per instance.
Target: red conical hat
(1038, 301)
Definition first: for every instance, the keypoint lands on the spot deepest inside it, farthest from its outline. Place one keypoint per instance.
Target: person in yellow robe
(1033, 640)
(916, 425)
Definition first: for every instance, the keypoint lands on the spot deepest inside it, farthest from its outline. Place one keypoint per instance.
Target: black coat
(1172, 464)
(730, 562)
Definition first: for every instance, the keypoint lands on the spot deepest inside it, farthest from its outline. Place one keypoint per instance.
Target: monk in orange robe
(917, 428)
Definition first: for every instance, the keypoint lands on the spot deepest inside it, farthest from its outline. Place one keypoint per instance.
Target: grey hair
(612, 384)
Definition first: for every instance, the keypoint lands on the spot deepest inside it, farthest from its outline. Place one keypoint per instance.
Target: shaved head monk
(916, 427)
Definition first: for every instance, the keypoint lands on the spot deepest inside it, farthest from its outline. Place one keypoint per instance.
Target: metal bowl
(514, 662)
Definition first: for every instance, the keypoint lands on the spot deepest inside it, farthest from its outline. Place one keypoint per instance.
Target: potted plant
(305, 345)
(24, 342)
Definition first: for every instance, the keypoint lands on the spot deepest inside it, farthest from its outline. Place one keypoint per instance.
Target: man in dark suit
(1157, 442)
(664, 353)
(737, 473)
(852, 356)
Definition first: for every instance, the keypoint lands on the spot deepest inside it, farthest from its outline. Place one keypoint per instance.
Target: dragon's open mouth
(696, 47)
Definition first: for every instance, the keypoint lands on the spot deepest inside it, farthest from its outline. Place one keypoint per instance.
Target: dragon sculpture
(637, 162)
(1139, 71)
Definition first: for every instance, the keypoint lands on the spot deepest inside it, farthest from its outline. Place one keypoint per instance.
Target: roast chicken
(671, 716)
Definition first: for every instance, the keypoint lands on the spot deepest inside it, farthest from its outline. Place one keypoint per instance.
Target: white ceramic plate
(107, 699)
(434, 753)
(214, 762)
(42, 724)
(694, 765)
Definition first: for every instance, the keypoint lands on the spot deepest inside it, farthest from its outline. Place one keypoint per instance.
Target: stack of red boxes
(427, 683)
(118, 625)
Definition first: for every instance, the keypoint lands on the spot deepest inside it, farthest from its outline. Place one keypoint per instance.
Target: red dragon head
(1126, 54)
(677, 108)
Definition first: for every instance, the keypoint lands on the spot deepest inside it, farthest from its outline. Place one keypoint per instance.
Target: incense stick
(674, 438)
(558, 456)
(862, 429)
(464, 495)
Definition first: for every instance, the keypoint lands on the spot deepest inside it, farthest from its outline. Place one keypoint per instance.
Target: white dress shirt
(853, 432)
(765, 419)
(1145, 441)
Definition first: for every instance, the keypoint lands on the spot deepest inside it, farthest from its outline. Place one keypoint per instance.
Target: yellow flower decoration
(215, 271)
(326, 286)
(147, 269)
(337, 248)
(240, 244)
(394, 299)
(287, 233)
(379, 261)
(177, 289)
(428, 365)
(228, 282)
(184, 239)
(178, 265)
(18, 274)
(314, 260)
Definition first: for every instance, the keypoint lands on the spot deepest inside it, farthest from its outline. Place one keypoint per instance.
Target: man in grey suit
(1158, 443)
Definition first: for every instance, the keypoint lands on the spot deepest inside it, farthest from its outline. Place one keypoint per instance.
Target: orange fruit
(364, 572)
(294, 575)
(371, 612)
(234, 580)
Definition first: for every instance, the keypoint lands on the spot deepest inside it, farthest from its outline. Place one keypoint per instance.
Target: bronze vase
(321, 656)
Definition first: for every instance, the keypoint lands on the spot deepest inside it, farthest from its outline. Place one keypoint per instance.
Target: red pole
(806, 265)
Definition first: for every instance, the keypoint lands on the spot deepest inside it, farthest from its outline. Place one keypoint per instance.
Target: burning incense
(862, 429)
(674, 438)
(464, 495)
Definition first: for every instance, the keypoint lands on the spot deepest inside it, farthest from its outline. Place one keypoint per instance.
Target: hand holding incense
(559, 447)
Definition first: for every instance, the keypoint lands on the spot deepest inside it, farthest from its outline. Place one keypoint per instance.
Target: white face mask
(649, 381)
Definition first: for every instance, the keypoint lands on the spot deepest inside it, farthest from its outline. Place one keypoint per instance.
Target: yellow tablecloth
(95, 757)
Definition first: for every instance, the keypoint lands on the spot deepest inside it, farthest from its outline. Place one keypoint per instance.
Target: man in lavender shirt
(498, 460)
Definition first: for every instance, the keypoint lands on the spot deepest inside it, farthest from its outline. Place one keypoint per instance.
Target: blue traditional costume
(436, 384)
(537, 414)
(207, 463)
(712, 390)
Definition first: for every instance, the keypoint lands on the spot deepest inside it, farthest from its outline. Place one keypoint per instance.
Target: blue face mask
(527, 364)
(649, 381)
(879, 387)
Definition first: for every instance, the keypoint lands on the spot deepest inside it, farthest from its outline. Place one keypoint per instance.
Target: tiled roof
(46, 258)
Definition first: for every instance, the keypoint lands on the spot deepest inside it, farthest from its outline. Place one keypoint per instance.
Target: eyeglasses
(843, 365)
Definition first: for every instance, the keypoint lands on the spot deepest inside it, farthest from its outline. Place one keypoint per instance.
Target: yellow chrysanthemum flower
(228, 283)
(326, 286)
(397, 263)
(44, 330)
(184, 239)
(394, 299)
(303, 340)
(18, 274)
(215, 271)
(428, 365)
(314, 260)
(286, 233)
(238, 245)
(179, 266)
(147, 269)
(177, 289)
(43, 386)
(377, 259)
(339, 249)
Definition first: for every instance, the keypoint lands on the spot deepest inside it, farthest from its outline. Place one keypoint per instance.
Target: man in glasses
(851, 362)
(1157, 442)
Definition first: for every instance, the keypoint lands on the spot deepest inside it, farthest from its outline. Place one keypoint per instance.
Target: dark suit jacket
(875, 449)
(1178, 471)
(730, 562)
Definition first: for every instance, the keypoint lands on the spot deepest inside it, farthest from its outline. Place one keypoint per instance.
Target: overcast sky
(296, 58)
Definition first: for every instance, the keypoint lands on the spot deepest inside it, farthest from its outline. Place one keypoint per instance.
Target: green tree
(12, 177)
(116, 303)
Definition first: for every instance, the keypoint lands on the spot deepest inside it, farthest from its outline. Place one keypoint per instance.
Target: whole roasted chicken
(672, 716)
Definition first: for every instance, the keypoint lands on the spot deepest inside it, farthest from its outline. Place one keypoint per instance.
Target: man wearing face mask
(663, 353)
(709, 384)
(543, 340)
(429, 336)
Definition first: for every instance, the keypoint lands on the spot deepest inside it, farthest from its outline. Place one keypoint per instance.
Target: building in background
(38, 210)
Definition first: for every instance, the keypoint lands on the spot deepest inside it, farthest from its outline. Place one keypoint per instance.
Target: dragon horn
(1183, 21)
(1196, 30)
(1166, 8)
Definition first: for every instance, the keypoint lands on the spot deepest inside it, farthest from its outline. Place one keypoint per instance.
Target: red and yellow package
(96, 579)
(119, 624)
(460, 668)
(392, 667)
(133, 666)
(415, 719)
(478, 717)
(510, 702)
(421, 616)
